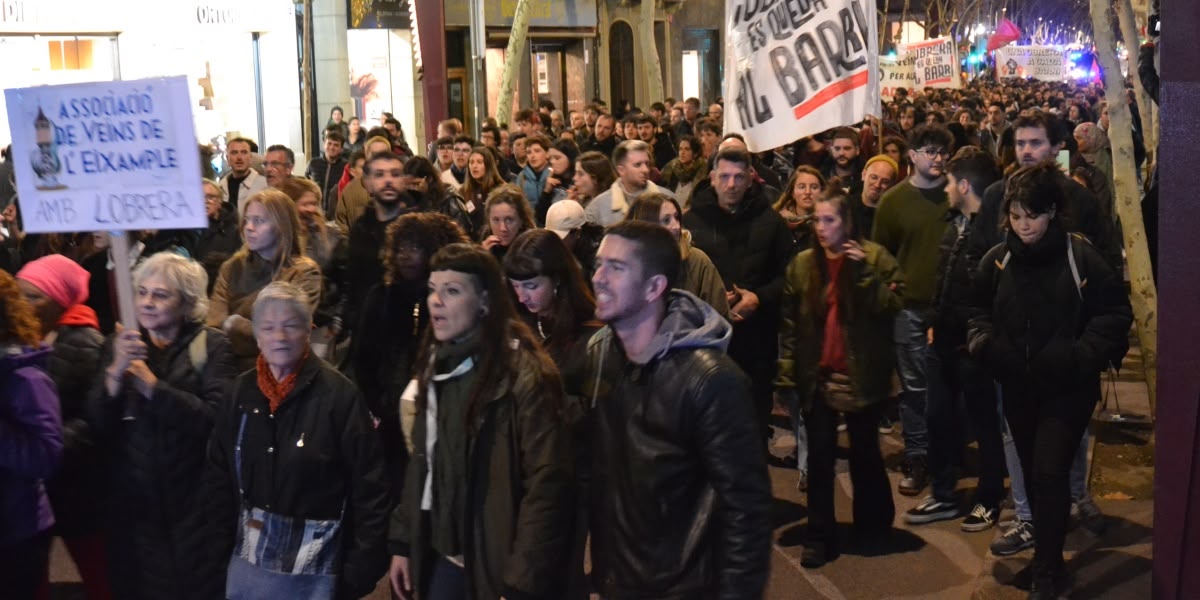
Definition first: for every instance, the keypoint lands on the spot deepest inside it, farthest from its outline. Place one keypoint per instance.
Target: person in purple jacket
(31, 445)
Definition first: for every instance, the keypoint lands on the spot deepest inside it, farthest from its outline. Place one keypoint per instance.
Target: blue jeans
(1016, 478)
(911, 341)
(800, 431)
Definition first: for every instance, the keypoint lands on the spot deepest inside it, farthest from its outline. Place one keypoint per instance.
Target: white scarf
(431, 429)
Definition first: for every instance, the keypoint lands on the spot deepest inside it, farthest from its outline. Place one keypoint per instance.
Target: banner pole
(119, 243)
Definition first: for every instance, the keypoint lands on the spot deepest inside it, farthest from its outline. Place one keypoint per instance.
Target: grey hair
(287, 293)
(183, 275)
(216, 184)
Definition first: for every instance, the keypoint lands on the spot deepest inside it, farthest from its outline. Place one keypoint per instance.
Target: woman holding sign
(272, 250)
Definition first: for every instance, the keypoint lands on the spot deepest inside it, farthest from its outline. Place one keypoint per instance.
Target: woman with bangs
(272, 250)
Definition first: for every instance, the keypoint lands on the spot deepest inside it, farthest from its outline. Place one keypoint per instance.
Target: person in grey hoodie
(679, 494)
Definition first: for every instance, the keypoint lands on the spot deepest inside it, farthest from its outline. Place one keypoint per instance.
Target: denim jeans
(799, 430)
(962, 399)
(911, 344)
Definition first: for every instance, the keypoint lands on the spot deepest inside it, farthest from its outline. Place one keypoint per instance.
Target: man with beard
(842, 161)
(660, 143)
(673, 448)
(384, 179)
(909, 223)
(877, 177)
(242, 181)
(355, 198)
(731, 220)
(603, 140)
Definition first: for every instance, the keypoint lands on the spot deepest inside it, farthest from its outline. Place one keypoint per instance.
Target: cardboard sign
(111, 156)
(797, 68)
(1045, 63)
(895, 74)
(935, 63)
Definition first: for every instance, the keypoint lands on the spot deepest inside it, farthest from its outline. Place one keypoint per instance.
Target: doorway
(621, 65)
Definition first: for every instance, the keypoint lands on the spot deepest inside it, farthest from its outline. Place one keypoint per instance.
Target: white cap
(564, 217)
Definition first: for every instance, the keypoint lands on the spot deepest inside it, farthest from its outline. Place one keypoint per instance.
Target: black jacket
(155, 520)
(606, 147)
(1082, 215)
(952, 294)
(364, 269)
(315, 456)
(218, 242)
(520, 497)
(326, 175)
(1031, 328)
(680, 494)
(77, 490)
(751, 248)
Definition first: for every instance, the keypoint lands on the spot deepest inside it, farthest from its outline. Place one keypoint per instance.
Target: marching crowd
(469, 367)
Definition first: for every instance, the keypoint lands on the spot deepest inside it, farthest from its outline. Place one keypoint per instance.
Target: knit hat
(59, 278)
(884, 159)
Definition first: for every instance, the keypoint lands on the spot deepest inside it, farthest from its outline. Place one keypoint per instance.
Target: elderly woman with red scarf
(294, 458)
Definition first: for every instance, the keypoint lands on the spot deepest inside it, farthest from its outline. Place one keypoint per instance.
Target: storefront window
(50, 60)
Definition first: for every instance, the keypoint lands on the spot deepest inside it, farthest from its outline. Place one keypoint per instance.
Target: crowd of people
(468, 368)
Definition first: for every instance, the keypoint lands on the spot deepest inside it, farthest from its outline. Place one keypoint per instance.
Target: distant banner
(110, 156)
(1045, 63)
(896, 74)
(935, 63)
(797, 68)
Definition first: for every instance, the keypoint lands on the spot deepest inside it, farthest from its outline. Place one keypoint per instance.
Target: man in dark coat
(677, 472)
(732, 221)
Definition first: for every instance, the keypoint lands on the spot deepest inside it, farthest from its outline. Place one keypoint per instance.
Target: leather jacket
(680, 495)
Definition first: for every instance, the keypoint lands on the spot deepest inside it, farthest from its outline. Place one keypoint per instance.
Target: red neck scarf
(273, 389)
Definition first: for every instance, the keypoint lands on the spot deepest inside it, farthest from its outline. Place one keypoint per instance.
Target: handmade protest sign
(111, 156)
(895, 74)
(1045, 63)
(797, 67)
(935, 63)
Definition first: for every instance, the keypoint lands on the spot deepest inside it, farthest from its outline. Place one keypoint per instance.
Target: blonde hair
(283, 216)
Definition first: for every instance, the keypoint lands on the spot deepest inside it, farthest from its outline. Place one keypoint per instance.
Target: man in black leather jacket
(680, 492)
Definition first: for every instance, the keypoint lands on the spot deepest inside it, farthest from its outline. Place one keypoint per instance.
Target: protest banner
(116, 156)
(798, 67)
(1045, 63)
(111, 156)
(895, 74)
(935, 63)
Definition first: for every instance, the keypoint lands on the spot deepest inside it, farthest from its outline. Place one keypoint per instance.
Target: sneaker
(1089, 517)
(1018, 537)
(981, 518)
(930, 510)
(916, 477)
(841, 424)
(802, 481)
(816, 554)
(885, 425)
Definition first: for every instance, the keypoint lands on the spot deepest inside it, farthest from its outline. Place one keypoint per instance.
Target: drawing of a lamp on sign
(46, 164)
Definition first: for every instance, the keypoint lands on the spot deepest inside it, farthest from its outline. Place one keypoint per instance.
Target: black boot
(816, 554)
(916, 476)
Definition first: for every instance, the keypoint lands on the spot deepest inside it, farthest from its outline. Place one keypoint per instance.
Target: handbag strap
(237, 456)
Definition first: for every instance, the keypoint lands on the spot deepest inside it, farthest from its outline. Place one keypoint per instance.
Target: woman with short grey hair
(153, 410)
(294, 450)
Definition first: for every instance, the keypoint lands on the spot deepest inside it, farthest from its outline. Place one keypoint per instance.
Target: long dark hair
(541, 252)
(820, 275)
(503, 334)
(435, 189)
(478, 190)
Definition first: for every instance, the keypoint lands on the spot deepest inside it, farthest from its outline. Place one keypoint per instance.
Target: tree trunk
(306, 82)
(903, 20)
(512, 60)
(1130, 35)
(654, 82)
(883, 26)
(1144, 295)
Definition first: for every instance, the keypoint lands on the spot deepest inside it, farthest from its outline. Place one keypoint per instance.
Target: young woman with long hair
(488, 499)
(594, 174)
(795, 203)
(328, 248)
(482, 178)
(508, 215)
(272, 250)
(836, 355)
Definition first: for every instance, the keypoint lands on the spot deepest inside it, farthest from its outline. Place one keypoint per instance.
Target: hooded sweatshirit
(679, 490)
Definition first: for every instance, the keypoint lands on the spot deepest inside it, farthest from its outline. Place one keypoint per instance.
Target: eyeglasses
(277, 165)
(934, 152)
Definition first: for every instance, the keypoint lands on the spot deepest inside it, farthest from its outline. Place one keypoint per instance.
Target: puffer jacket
(520, 504)
(314, 458)
(155, 523)
(77, 490)
(31, 443)
(871, 296)
(679, 495)
(1038, 332)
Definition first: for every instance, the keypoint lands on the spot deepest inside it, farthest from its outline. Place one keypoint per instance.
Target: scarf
(686, 173)
(275, 390)
(431, 430)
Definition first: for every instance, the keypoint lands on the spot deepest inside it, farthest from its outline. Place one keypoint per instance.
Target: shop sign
(542, 13)
(798, 68)
(58, 16)
(112, 156)
(378, 14)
